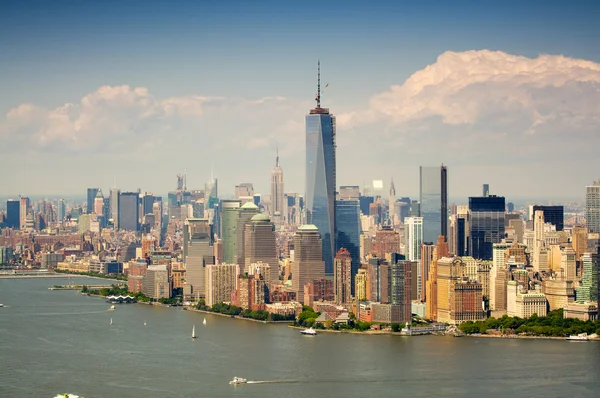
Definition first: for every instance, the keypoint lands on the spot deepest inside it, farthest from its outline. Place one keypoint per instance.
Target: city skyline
(202, 96)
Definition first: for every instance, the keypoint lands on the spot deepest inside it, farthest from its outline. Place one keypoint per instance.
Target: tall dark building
(13, 214)
(486, 190)
(147, 204)
(320, 176)
(347, 219)
(129, 211)
(487, 225)
(433, 197)
(91, 196)
(554, 215)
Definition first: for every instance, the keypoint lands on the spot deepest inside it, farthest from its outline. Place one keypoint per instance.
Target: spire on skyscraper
(392, 188)
(318, 84)
(277, 158)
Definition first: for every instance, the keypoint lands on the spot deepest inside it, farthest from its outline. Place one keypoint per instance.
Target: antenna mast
(318, 83)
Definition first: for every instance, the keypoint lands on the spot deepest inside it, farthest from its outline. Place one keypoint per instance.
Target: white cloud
(480, 86)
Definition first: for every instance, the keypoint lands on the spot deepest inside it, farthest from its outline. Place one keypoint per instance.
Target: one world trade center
(320, 175)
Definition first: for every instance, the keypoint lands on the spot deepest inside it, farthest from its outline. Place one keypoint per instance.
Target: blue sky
(236, 52)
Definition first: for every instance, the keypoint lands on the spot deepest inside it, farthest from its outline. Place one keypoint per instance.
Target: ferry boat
(309, 332)
(238, 380)
(1, 305)
(579, 337)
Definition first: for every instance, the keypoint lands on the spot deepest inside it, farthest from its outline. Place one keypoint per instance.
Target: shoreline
(355, 332)
(57, 276)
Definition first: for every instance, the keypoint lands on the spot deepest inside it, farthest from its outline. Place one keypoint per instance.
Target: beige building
(559, 293)
(156, 284)
(308, 262)
(360, 284)
(587, 311)
(260, 246)
(221, 281)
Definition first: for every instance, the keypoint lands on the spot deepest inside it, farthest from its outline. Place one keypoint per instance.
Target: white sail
(111, 322)
(204, 321)
(194, 332)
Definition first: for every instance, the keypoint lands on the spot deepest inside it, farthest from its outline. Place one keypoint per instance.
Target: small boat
(194, 332)
(1, 305)
(309, 332)
(144, 322)
(112, 308)
(238, 380)
(204, 321)
(579, 337)
(111, 322)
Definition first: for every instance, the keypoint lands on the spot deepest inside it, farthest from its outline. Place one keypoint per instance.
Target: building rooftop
(261, 217)
(249, 205)
(308, 227)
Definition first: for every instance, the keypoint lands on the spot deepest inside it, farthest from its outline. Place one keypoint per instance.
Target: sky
(136, 92)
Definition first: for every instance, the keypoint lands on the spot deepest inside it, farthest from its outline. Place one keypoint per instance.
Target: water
(60, 341)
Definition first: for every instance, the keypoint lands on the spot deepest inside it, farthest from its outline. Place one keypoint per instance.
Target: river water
(60, 341)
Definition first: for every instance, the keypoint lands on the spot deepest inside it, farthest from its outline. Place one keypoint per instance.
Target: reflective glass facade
(433, 196)
(129, 211)
(486, 226)
(348, 232)
(320, 179)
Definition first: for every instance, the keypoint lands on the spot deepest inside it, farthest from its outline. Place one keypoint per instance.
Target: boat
(309, 332)
(144, 322)
(111, 322)
(238, 380)
(194, 332)
(204, 321)
(579, 337)
(1, 305)
(112, 308)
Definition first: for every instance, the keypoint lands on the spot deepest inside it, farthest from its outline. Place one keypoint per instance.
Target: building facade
(486, 226)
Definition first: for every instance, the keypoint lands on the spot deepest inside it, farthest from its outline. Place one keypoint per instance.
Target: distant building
(156, 284)
(135, 277)
(586, 311)
(260, 246)
(433, 197)
(129, 211)
(198, 253)
(251, 292)
(414, 237)
(229, 219)
(221, 282)
(486, 226)
(553, 215)
(91, 197)
(278, 208)
(342, 272)
(592, 207)
(308, 262)
(347, 214)
(244, 215)
(13, 217)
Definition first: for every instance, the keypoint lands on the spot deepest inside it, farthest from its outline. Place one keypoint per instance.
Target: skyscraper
(260, 246)
(211, 192)
(486, 190)
(229, 215)
(348, 232)
(414, 237)
(433, 195)
(277, 205)
(115, 199)
(320, 176)
(244, 214)
(486, 226)
(592, 207)
(23, 210)
(197, 254)
(13, 217)
(61, 210)
(554, 215)
(342, 281)
(129, 211)
(91, 196)
(308, 262)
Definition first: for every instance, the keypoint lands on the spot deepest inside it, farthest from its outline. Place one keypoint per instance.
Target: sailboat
(194, 332)
(144, 322)
(204, 321)
(111, 322)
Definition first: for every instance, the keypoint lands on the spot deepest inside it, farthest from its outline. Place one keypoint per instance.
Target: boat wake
(271, 381)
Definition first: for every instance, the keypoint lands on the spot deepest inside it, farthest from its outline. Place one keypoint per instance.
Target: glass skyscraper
(348, 232)
(433, 197)
(129, 211)
(486, 226)
(320, 177)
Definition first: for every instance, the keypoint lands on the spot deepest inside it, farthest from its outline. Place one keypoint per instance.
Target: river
(60, 341)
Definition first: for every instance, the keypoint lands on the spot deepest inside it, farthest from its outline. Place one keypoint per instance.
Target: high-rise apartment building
(198, 252)
(413, 230)
(308, 262)
(13, 216)
(244, 191)
(348, 231)
(221, 281)
(342, 272)
(588, 291)
(91, 196)
(229, 218)
(486, 226)
(433, 196)
(260, 247)
(320, 176)
(592, 207)
(129, 211)
(61, 210)
(278, 210)
(98, 203)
